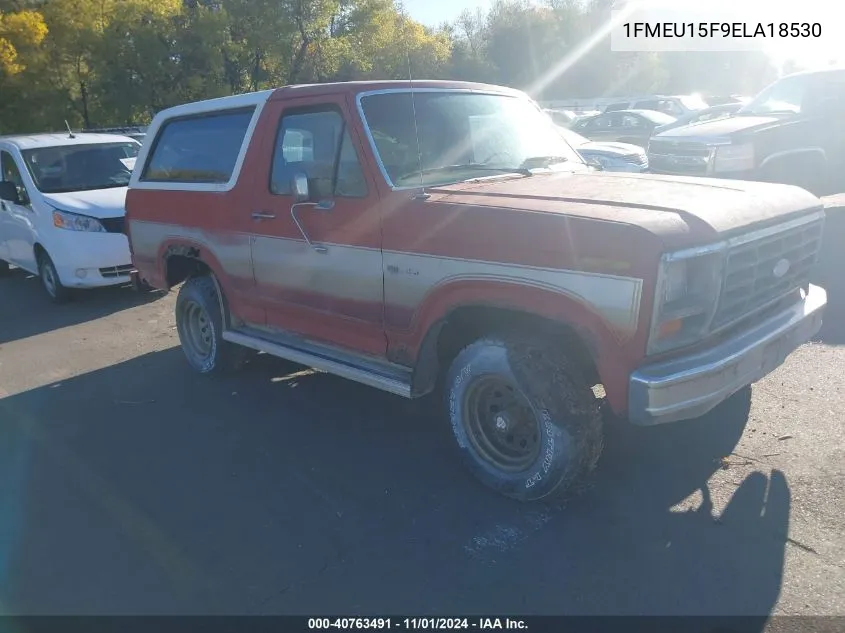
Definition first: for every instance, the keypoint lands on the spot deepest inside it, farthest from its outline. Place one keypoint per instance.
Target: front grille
(679, 148)
(684, 158)
(750, 280)
(117, 271)
(113, 225)
(667, 164)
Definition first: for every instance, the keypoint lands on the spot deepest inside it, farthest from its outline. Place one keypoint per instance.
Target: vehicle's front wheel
(50, 280)
(527, 424)
(199, 324)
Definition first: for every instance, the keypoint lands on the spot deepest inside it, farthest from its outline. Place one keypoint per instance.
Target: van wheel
(199, 324)
(50, 280)
(526, 423)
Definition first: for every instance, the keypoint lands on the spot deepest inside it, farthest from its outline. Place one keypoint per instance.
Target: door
(632, 128)
(318, 263)
(17, 220)
(600, 128)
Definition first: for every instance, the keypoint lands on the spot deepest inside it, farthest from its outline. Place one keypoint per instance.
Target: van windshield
(462, 136)
(64, 168)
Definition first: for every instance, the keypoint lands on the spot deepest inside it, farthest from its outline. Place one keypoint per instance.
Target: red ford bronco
(395, 233)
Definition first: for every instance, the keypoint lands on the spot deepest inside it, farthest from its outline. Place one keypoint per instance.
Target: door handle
(261, 215)
(326, 205)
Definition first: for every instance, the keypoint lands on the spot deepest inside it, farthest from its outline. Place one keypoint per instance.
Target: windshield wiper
(465, 166)
(543, 161)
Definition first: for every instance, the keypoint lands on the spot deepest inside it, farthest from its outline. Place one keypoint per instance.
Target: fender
(195, 250)
(611, 345)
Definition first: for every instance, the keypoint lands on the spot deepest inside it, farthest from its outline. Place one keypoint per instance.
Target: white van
(62, 208)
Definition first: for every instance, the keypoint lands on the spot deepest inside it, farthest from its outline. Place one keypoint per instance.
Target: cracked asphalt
(131, 485)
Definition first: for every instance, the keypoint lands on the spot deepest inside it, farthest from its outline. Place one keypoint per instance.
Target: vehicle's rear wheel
(527, 424)
(199, 324)
(50, 280)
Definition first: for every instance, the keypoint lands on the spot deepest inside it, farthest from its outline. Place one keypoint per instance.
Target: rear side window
(200, 149)
(647, 105)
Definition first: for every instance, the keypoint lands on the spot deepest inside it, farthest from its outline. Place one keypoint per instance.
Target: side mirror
(299, 187)
(9, 192)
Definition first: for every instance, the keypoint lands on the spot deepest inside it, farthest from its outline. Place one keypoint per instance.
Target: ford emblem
(781, 268)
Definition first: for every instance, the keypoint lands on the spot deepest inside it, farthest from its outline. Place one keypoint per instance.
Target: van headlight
(76, 222)
(685, 298)
(734, 158)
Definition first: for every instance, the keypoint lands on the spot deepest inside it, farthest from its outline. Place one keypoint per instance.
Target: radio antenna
(69, 131)
(422, 195)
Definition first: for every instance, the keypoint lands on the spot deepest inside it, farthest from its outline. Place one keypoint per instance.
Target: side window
(11, 173)
(630, 121)
(600, 122)
(668, 106)
(826, 96)
(316, 143)
(198, 149)
(616, 106)
(647, 105)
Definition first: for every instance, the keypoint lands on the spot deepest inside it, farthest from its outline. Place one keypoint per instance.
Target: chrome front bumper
(690, 386)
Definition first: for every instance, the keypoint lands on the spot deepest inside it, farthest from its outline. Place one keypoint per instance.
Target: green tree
(20, 33)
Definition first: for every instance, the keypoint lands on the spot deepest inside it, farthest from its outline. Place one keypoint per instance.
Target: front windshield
(694, 102)
(65, 168)
(461, 136)
(786, 95)
(573, 138)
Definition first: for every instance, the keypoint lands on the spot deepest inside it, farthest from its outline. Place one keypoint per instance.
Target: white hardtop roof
(34, 141)
(210, 105)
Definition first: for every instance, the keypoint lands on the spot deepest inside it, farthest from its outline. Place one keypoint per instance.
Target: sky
(806, 53)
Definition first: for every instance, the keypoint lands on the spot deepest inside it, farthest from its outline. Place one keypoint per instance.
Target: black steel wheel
(501, 424)
(199, 323)
(526, 423)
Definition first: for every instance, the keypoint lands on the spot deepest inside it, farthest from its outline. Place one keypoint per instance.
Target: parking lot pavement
(129, 484)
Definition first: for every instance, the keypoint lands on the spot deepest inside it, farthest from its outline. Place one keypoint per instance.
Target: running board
(393, 379)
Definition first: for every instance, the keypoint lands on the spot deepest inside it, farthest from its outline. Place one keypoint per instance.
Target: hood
(611, 149)
(721, 127)
(681, 210)
(97, 203)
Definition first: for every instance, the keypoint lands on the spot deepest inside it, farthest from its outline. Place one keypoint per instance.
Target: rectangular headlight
(686, 295)
(734, 158)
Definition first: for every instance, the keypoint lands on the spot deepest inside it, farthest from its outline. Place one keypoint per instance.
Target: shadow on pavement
(144, 488)
(26, 311)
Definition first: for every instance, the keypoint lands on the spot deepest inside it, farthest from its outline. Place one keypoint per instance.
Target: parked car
(715, 100)
(713, 113)
(626, 126)
(793, 132)
(399, 233)
(137, 132)
(562, 117)
(62, 209)
(677, 105)
(608, 156)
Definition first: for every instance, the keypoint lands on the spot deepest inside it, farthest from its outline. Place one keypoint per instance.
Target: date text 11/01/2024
(431, 623)
(705, 30)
